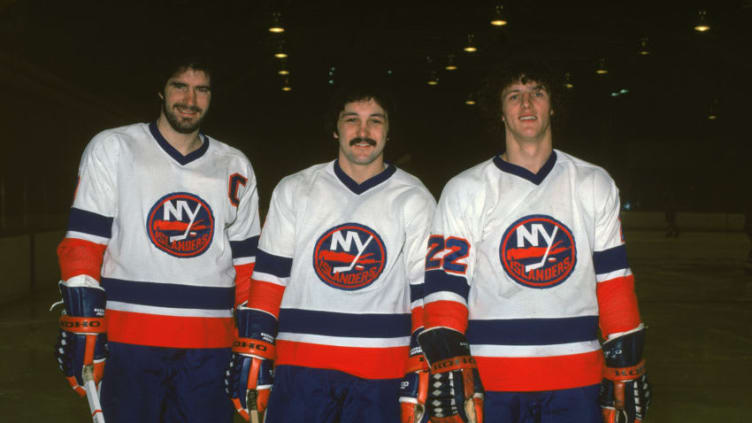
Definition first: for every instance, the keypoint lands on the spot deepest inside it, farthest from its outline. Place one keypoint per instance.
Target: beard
(183, 125)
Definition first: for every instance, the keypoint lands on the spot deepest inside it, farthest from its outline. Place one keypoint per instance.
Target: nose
(527, 100)
(190, 97)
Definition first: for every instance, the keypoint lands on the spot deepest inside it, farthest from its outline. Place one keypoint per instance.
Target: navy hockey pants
(577, 405)
(154, 385)
(303, 394)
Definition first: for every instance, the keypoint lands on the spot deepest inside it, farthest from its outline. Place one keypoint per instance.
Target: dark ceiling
(108, 50)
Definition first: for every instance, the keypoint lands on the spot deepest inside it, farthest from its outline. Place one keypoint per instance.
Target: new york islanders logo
(538, 251)
(181, 225)
(349, 256)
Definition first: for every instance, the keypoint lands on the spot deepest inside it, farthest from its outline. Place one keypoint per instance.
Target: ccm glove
(249, 376)
(455, 393)
(625, 392)
(414, 386)
(82, 340)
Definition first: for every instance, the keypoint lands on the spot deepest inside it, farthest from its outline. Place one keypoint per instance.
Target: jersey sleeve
(449, 260)
(418, 215)
(243, 233)
(94, 206)
(276, 247)
(617, 302)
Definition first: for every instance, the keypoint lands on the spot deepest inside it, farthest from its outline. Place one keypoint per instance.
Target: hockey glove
(414, 386)
(455, 393)
(625, 392)
(249, 376)
(82, 340)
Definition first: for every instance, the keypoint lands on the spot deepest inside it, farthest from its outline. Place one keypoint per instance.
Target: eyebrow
(381, 115)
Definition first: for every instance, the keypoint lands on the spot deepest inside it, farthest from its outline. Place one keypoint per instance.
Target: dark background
(69, 69)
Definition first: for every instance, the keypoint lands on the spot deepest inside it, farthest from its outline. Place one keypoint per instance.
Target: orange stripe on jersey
(169, 331)
(368, 363)
(266, 296)
(540, 373)
(80, 257)
(445, 314)
(243, 274)
(617, 305)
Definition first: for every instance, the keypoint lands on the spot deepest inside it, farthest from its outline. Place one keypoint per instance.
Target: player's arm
(414, 386)
(243, 232)
(249, 376)
(456, 393)
(625, 391)
(82, 336)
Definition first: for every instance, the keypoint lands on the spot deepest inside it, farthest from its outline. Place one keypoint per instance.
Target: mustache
(357, 140)
(191, 108)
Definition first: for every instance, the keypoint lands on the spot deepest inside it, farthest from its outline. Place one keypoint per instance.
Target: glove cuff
(83, 325)
(416, 363)
(624, 374)
(454, 363)
(256, 347)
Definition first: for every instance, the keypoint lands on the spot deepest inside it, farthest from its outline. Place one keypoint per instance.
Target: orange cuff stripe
(454, 363)
(416, 363)
(617, 305)
(266, 296)
(80, 257)
(445, 314)
(243, 274)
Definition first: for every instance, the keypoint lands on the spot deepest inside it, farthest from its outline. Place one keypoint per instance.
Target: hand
(625, 391)
(248, 382)
(456, 394)
(414, 391)
(82, 339)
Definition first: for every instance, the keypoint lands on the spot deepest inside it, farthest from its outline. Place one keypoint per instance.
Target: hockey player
(337, 288)
(526, 260)
(161, 241)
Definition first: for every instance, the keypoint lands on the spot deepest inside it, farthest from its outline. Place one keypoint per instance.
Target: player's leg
(197, 387)
(301, 394)
(576, 405)
(133, 387)
(504, 407)
(371, 401)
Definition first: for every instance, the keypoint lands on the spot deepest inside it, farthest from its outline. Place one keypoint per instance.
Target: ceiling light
(470, 46)
(499, 18)
(601, 68)
(702, 22)
(450, 66)
(276, 26)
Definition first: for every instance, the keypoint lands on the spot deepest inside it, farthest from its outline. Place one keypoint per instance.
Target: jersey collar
(175, 154)
(368, 183)
(520, 171)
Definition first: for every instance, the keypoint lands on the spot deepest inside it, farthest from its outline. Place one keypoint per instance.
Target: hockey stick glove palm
(625, 391)
(455, 393)
(82, 339)
(249, 376)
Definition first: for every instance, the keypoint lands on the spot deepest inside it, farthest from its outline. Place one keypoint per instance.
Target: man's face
(362, 128)
(186, 100)
(526, 111)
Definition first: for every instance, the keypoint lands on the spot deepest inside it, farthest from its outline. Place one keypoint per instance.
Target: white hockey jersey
(514, 261)
(341, 266)
(174, 227)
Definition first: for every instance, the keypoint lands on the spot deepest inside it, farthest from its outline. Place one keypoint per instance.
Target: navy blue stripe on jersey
(416, 292)
(89, 223)
(344, 324)
(367, 184)
(520, 171)
(169, 295)
(533, 331)
(438, 280)
(175, 154)
(273, 265)
(610, 260)
(246, 248)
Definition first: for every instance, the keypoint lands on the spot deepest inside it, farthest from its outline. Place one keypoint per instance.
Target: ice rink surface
(695, 298)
